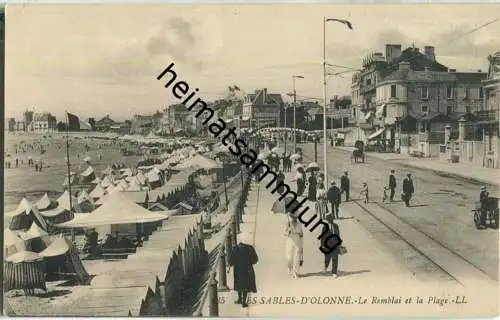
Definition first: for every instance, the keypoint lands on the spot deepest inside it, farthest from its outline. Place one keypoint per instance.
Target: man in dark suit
(333, 196)
(408, 189)
(333, 242)
(392, 185)
(345, 185)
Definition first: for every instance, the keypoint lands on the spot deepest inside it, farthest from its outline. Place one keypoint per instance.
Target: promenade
(467, 171)
(369, 274)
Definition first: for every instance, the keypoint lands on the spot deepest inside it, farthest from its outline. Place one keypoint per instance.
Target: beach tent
(62, 258)
(20, 220)
(106, 182)
(73, 180)
(12, 243)
(199, 162)
(126, 172)
(97, 192)
(123, 184)
(84, 197)
(58, 215)
(134, 186)
(45, 203)
(97, 181)
(117, 209)
(88, 175)
(35, 238)
(153, 179)
(141, 178)
(108, 171)
(24, 271)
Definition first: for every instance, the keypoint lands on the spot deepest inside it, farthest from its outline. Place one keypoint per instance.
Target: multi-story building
(143, 124)
(262, 108)
(340, 112)
(104, 124)
(20, 126)
(27, 117)
(10, 124)
(177, 117)
(415, 98)
(43, 122)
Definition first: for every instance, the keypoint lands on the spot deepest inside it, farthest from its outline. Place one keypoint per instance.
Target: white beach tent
(106, 182)
(23, 206)
(45, 203)
(134, 186)
(97, 192)
(84, 197)
(117, 209)
(12, 243)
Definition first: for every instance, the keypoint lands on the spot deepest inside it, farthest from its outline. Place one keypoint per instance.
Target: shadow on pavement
(328, 273)
(418, 205)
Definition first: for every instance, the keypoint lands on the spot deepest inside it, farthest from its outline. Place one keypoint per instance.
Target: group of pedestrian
(408, 189)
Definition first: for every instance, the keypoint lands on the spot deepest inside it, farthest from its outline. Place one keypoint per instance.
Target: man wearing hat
(483, 198)
(408, 189)
(345, 185)
(333, 196)
(392, 185)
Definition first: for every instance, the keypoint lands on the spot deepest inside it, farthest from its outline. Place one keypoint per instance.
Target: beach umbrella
(286, 205)
(313, 166)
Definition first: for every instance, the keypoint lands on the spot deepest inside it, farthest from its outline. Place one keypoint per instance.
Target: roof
(470, 77)
(418, 61)
(270, 98)
(420, 76)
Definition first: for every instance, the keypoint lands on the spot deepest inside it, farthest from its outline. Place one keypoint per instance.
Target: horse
(356, 155)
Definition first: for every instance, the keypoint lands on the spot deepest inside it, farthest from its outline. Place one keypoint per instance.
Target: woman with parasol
(294, 249)
(300, 179)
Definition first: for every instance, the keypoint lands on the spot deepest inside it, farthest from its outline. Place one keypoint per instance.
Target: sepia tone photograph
(251, 160)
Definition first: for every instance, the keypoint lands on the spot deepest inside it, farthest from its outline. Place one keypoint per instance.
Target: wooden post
(234, 232)
(228, 245)
(222, 271)
(213, 299)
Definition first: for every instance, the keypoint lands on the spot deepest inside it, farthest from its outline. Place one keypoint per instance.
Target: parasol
(87, 159)
(313, 166)
(278, 150)
(295, 156)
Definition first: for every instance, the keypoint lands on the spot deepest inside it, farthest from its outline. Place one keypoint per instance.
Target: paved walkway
(368, 270)
(462, 170)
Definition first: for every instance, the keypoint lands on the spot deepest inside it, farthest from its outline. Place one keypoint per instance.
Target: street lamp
(349, 25)
(286, 131)
(294, 111)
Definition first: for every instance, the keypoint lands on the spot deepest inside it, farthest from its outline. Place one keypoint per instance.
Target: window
(393, 91)
(481, 93)
(425, 109)
(449, 92)
(368, 82)
(424, 92)
(467, 109)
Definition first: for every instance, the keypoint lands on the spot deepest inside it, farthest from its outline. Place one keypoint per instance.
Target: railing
(218, 263)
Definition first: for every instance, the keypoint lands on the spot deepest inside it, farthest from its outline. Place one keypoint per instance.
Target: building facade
(262, 108)
(43, 122)
(143, 124)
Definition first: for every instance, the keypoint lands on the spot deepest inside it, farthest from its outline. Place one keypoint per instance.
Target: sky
(99, 59)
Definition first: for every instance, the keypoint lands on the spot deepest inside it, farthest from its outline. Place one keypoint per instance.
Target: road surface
(439, 216)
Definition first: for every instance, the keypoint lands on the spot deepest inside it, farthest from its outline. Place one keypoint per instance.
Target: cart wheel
(494, 219)
(477, 219)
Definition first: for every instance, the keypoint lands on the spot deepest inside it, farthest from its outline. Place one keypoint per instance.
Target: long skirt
(294, 253)
(321, 208)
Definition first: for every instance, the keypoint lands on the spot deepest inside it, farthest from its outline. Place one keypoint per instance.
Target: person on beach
(294, 249)
(300, 179)
(242, 259)
(312, 187)
(345, 185)
(320, 205)
(408, 189)
(364, 192)
(332, 256)
(334, 197)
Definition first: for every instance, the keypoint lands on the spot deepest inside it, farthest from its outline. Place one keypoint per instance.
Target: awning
(376, 134)
(380, 111)
(368, 115)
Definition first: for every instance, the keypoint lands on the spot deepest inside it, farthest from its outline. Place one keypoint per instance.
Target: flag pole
(69, 174)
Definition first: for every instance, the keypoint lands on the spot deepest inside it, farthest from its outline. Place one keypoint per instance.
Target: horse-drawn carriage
(358, 154)
(488, 216)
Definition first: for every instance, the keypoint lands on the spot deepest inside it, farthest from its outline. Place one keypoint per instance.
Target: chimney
(392, 51)
(429, 53)
(264, 95)
(452, 70)
(404, 66)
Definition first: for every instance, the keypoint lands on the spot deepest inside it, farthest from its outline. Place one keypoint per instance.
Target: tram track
(452, 264)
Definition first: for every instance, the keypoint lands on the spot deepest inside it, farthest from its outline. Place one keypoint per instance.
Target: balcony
(339, 113)
(487, 114)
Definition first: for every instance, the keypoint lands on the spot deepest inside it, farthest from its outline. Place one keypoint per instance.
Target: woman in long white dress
(294, 248)
(320, 204)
